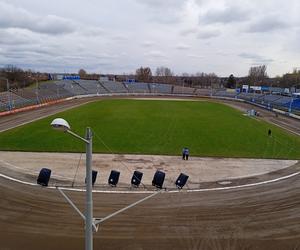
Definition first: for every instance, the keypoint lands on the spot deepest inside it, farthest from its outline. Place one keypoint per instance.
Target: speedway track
(255, 217)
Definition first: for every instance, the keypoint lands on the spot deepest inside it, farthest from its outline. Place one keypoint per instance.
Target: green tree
(231, 82)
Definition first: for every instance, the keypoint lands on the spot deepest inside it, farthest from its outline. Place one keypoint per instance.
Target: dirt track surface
(70, 168)
(262, 217)
(21, 118)
(257, 217)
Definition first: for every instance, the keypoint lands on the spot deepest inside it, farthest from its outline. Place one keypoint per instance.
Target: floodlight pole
(89, 194)
(37, 92)
(9, 94)
(91, 224)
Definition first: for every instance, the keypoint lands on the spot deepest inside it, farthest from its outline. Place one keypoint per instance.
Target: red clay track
(259, 217)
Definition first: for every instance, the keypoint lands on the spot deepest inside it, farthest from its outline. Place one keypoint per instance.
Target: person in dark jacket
(269, 132)
(187, 153)
(183, 153)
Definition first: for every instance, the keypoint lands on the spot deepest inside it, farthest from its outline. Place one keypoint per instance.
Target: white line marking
(44, 116)
(35, 172)
(284, 128)
(146, 192)
(245, 185)
(11, 165)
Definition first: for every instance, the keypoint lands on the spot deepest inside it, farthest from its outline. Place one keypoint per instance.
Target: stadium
(243, 172)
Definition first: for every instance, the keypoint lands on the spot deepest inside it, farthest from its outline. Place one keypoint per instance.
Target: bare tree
(164, 75)
(257, 75)
(163, 71)
(290, 79)
(144, 74)
(204, 80)
(19, 78)
(82, 73)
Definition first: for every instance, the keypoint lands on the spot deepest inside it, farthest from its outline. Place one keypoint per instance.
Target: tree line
(19, 78)
(257, 76)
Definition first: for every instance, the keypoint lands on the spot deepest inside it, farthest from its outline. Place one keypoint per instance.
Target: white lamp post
(90, 222)
(63, 125)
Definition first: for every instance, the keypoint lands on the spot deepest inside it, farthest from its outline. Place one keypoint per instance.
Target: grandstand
(140, 87)
(73, 87)
(10, 100)
(294, 104)
(271, 98)
(114, 87)
(160, 88)
(90, 87)
(225, 93)
(47, 92)
(203, 92)
(183, 90)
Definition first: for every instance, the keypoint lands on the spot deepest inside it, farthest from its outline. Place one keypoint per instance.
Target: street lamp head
(60, 124)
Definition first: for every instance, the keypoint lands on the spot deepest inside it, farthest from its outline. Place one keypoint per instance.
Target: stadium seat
(181, 180)
(158, 179)
(114, 178)
(94, 177)
(44, 177)
(136, 178)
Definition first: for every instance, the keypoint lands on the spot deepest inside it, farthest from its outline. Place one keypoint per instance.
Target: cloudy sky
(117, 36)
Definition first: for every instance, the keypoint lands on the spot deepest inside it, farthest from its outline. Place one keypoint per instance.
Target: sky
(118, 36)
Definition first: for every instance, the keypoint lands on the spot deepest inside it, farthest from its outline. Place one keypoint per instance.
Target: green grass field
(157, 127)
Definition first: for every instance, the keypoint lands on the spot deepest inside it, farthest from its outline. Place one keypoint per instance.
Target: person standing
(187, 153)
(183, 153)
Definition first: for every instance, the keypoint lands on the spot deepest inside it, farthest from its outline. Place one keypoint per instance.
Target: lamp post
(91, 224)
(37, 91)
(63, 125)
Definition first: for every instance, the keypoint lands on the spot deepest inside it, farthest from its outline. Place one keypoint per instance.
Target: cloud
(166, 4)
(182, 46)
(207, 34)
(155, 54)
(164, 12)
(194, 56)
(267, 24)
(92, 31)
(148, 44)
(13, 17)
(119, 37)
(225, 15)
(15, 36)
(188, 31)
(256, 59)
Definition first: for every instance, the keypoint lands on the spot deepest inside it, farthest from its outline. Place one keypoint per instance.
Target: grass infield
(157, 127)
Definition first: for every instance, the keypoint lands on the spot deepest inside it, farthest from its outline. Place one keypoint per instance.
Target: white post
(37, 92)
(8, 95)
(89, 198)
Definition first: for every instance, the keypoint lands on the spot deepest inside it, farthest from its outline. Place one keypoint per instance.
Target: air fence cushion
(94, 177)
(44, 177)
(136, 178)
(158, 179)
(181, 180)
(113, 177)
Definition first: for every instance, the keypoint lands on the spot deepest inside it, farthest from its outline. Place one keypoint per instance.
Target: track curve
(259, 217)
